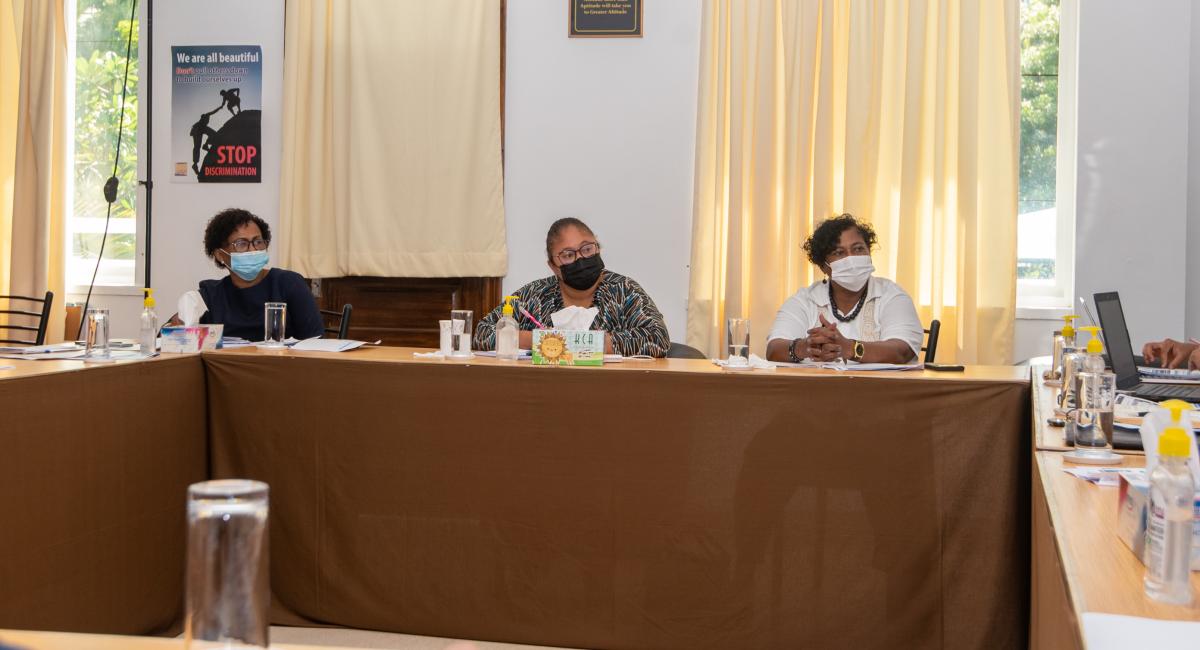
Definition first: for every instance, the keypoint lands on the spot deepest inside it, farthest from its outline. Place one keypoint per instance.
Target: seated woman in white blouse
(852, 315)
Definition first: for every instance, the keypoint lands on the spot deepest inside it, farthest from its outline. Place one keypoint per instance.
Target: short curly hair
(221, 226)
(825, 238)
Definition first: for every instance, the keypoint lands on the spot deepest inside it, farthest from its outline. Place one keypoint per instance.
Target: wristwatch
(792, 352)
(859, 351)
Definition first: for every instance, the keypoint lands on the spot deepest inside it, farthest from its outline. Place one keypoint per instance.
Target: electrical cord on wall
(112, 184)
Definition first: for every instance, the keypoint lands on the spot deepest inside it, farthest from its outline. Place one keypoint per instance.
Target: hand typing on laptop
(1170, 353)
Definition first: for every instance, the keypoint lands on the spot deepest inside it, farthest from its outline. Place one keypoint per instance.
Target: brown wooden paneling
(406, 311)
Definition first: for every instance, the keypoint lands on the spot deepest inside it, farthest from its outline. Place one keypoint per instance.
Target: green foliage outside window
(103, 27)
(1039, 118)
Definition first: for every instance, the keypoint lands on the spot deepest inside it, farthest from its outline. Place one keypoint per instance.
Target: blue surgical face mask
(247, 265)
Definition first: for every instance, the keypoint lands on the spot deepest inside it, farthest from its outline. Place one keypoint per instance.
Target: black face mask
(583, 272)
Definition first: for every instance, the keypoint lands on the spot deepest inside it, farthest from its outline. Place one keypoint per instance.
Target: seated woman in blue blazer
(237, 240)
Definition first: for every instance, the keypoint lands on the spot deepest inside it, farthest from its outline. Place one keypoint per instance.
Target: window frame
(1057, 295)
(70, 8)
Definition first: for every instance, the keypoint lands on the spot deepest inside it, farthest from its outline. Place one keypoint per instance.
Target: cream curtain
(391, 139)
(902, 112)
(33, 164)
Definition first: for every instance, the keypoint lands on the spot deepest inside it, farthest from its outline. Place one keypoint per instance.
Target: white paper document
(326, 345)
(850, 366)
(1116, 632)
(1103, 476)
(38, 349)
(522, 355)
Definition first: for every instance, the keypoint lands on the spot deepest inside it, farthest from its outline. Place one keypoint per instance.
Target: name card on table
(555, 347)
(191, 339)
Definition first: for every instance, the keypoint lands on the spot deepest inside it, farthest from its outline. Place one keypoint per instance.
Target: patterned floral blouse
(625, 312)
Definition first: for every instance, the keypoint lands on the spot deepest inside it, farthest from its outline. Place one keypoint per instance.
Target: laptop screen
(1116, 339)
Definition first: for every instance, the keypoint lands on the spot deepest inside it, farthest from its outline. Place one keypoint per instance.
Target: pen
(530, 317)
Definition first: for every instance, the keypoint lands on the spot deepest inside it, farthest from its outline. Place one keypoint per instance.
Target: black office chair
(43, 317)
(931, 337)
(339, 322)
(682, 351)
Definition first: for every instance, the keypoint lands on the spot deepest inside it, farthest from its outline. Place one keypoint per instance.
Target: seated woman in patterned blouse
(631, 322)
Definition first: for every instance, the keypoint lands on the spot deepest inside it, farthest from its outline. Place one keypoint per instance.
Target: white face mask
(851, 272)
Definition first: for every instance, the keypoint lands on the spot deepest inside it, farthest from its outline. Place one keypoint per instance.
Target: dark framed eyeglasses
(243, 245)
(568, 255)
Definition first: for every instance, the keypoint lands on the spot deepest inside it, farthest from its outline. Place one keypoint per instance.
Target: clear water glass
(444, 345)
(460, 332)
(1094, 416)
(274, 324)
(97, 333)
(737, 339)
(228, 583)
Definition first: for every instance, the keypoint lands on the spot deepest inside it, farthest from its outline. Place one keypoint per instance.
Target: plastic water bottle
(507, 333)
(148, 333)
(1169, 522)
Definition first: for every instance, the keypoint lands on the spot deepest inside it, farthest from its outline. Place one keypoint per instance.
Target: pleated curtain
(904, 113)
(391, 139)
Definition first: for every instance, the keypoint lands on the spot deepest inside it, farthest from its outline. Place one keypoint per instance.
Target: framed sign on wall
(605, 19)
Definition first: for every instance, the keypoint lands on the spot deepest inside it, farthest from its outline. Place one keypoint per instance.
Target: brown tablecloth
(94, 469)
(629, 509)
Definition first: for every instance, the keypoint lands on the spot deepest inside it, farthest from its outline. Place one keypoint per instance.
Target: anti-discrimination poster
(216, 113)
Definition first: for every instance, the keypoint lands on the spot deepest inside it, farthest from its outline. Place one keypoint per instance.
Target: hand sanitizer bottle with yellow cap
(148, 333)
(1095, 391)
(1170, 516)
(1072, 364)
(507, 333)
(1063, 339)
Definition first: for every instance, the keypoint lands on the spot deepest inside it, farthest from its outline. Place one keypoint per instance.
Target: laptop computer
(1120, 352)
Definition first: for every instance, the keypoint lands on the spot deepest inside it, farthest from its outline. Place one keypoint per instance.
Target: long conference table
(639, 505)
(1082, 574)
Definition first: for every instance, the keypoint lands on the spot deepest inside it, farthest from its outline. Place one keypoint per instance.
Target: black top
(241, 310)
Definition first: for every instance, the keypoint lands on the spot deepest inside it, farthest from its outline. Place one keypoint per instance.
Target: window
(102, 28)
(1046, 214)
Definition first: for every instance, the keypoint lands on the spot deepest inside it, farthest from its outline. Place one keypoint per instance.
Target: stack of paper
(326, 345)
(38, 349)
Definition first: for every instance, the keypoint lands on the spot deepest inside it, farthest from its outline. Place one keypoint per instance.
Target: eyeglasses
(243, 245)
(568, 255)
(839, 252)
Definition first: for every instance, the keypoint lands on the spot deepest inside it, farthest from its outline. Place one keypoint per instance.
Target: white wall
(604, 130)
(180, 211)
(1133, 185)
(1192, 319)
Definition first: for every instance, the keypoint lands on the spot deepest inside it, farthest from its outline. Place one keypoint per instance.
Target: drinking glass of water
(460, 333)
(228, 586)
(1094, 417)
(274, 324)
(737, 338)
(97, 333)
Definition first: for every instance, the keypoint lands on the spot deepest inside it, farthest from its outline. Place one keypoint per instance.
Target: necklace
(853, 313)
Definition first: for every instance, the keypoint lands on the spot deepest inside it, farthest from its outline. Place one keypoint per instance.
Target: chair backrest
(339, 321)
(9, 328)
(931, 338)
(682, 351)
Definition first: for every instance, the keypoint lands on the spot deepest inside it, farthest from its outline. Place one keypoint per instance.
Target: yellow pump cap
(1173, 441)
(508, 308)
(148, 301)
(1095, 345)
(1068, 329)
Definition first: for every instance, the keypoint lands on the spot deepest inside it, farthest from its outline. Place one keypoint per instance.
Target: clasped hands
(826, 343)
